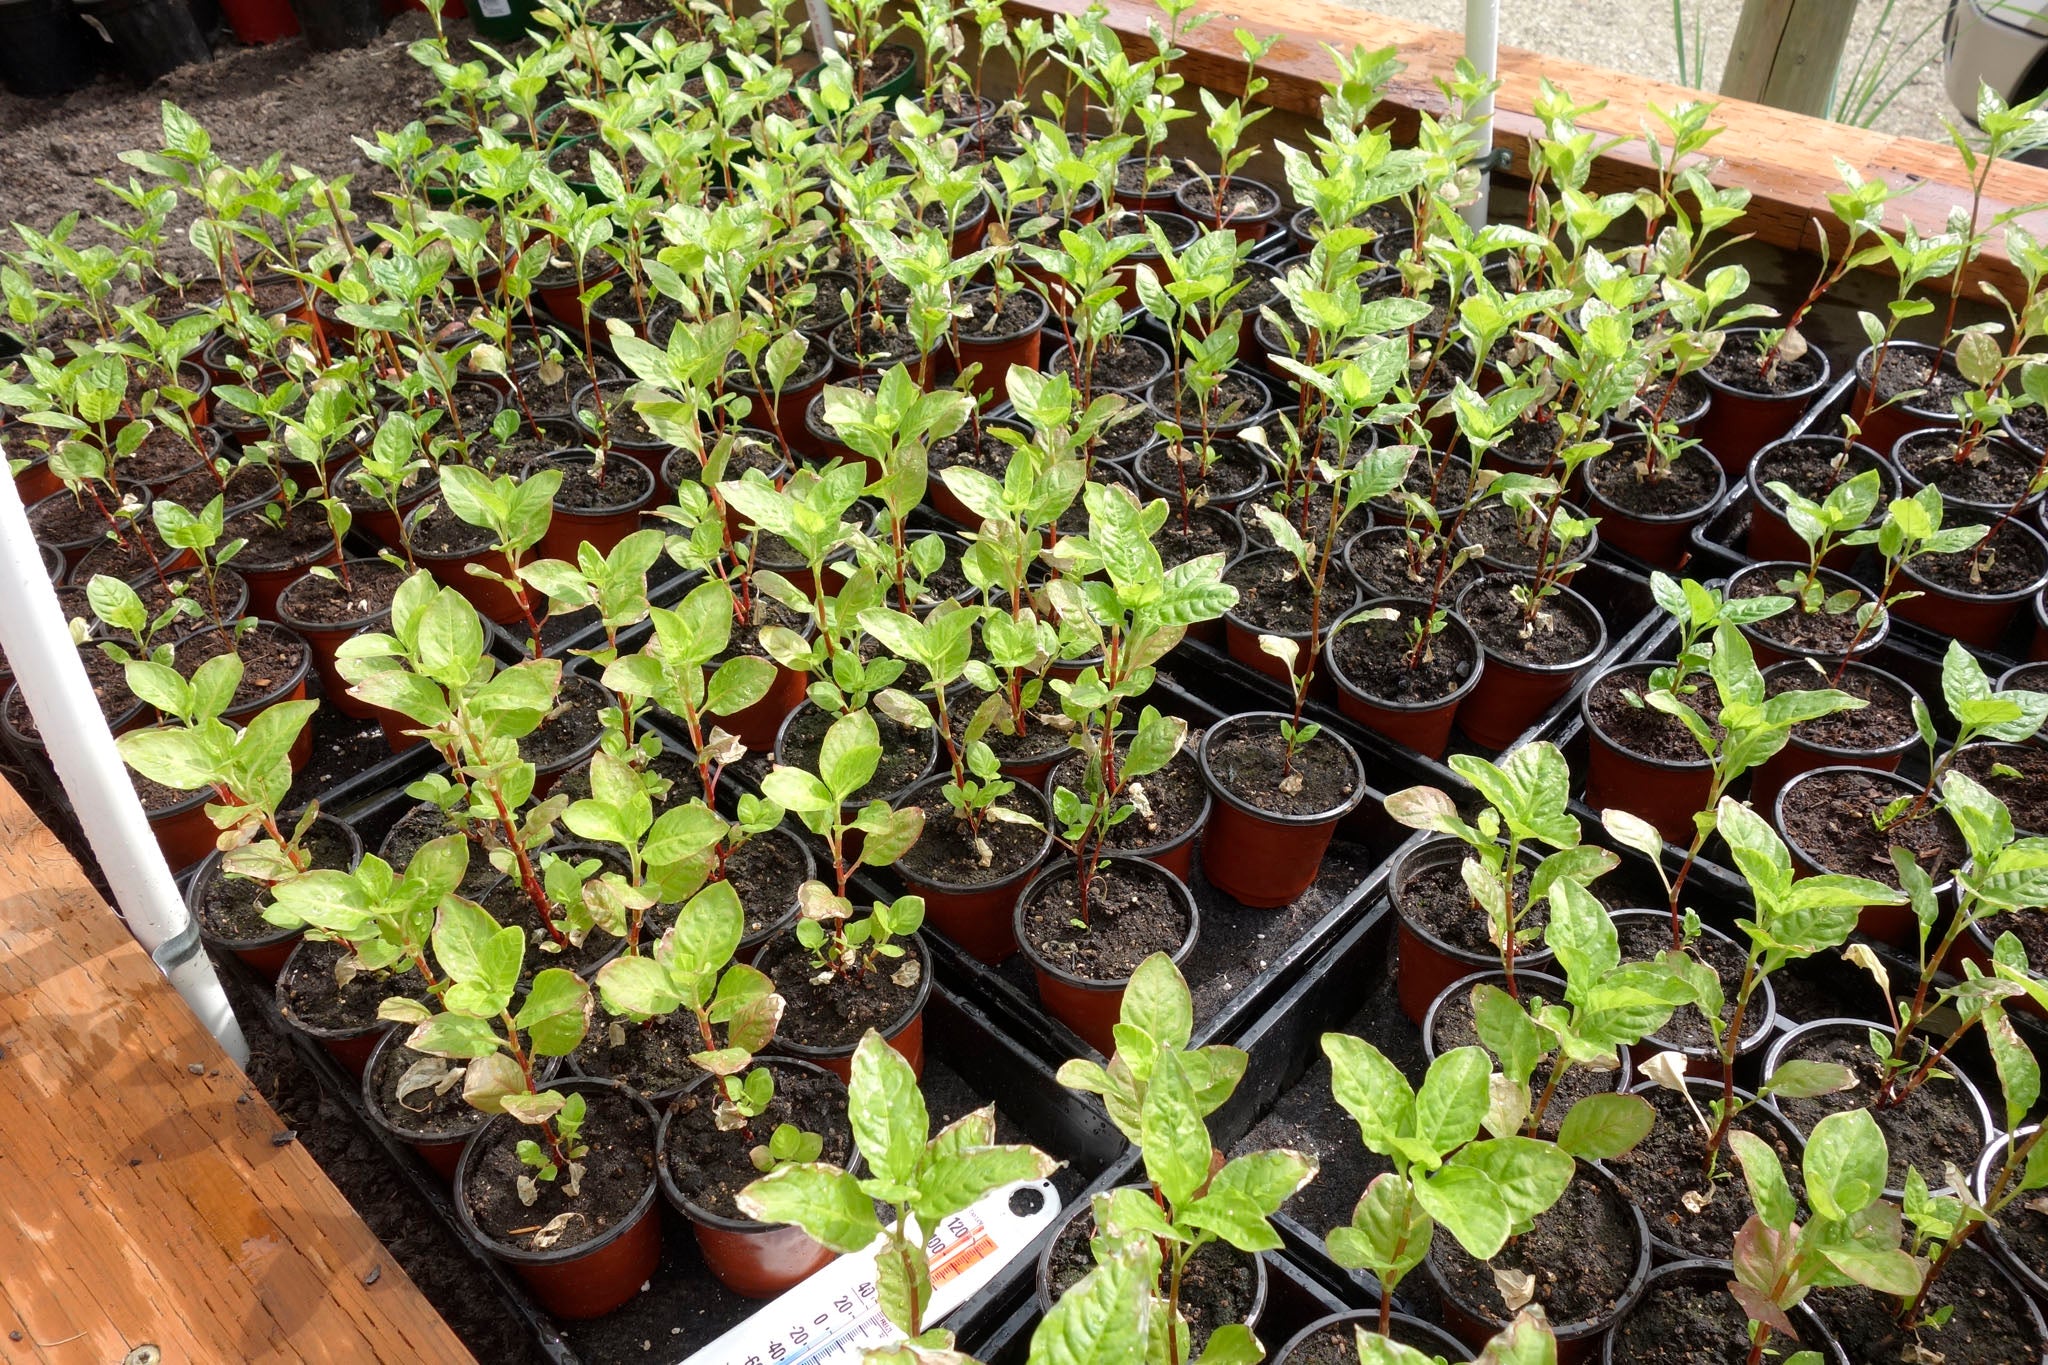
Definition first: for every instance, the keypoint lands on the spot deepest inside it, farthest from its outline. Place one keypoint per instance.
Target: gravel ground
(1636, 36)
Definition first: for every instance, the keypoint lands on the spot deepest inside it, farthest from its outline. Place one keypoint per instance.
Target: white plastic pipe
(1482, 49)
(81, 748)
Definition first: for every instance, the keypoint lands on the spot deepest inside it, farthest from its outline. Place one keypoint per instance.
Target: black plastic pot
(331, 25)
(46, 49)
(150, 37)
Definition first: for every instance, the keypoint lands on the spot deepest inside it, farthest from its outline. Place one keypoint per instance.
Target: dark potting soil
(558, 399)
(1374, 657)
(1442, 485)
(1808, 468)
(440, 534)
(1798, 631)
(1640, 728)
(1207, 531)
(1218, 1286)
(1988, 1327)
(312, 995)
(303, 537)
(560, 272)
(231, 908)
(1239, 200)
(1131, 431)
(1379, 560)
(838, 1013)
(1667, 1169)
(509, 904)
(143, 551)
(1120, 363)
(1038, 738)
(617, 1170)
(650, 1059)
(988, 318)
(990, 454)
(246, 484)
(1644, 938)
(877, 342)
(1273, 595)
(1887, 720)
(1338, 1344)
(1454, 1029)
(672, 765)
(419, 827)
(749, 450)
(342, 747)
(1174, 796)
(2029, 677)
(2025, 795)
(1174, 227)
(1251, 760)
(542, 436)
(2008, 561)
(1831, 819)
(1234, 470)
(1994, 472)
(163, 452)
(710, 1167)
(571, 728)
(1907, 372)
(158, 594)
(69, 520)
(1563, 630)
(948, 852)
(1681, 1321)
(766, 871)
(1236, 399)
(157, 797)
(1497, 528)
(422, 1113)
(1530, 445)
(1435, 899)
(1688, 483)
(109, 682)
(906, 753)
(271, 659)
(1936, 1125)
(621, 422)
(1132, 914)
(746, 634)
(1676, 399)
(320, 600)
(1132, 173)
(626, 482)
(1739, 365)
(1581, 1253)
(1289, 503)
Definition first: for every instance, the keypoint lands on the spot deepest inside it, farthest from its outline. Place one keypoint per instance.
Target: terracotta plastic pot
(1249, 227)
(326, 638)
(1406, 1330)
(941, 498)
(593, 1277)
(1801, 756)
(183, 832)
(350, 1047)
(1428, 965)
(268, 580)
(265, 955)
(631, 484)
(1266, 858)
(1708, 1281)
(996, 352)
(441, 1151)
(905, 1032)
(1513, 694)
(1978, 619)
(1739, 423)
(753, 1260)
(1788, 1047)
(1893, 924)
(563, 301)
(979, 919)
(1770, 651)
(851, 363)
(1883, 426)
(1085, 1208)
(1576, 1341)
(1771, 536)
(490, 597)
(783, 414)
(1662, 539)
(1241, 634)
(1090, 1008)
(1176, 853)
(260, 21)
(1759, 1021)
(1424, 726)
(1666, 792)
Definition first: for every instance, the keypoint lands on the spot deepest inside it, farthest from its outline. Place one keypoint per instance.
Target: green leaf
(1157, 1001)
(556, 1012)
(1504, 1027)
(1453, 1098)
(1603, 1127)
(1246, 1193)
(1105, 1319)
(1172, 1135)
(454, 1035)
(887, 1111)
(1371, 1089)
(1528, 1175)
(1468, 1204)
(1769, 1192)
(1389, 1233)
(1845, 1164)
(824, 1201)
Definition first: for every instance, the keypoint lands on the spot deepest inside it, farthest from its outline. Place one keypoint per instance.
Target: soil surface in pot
(1129, 432)
(440, 534)
(1563, 634)
(2013, 564)
(163, 452)
(1238, 201)
(905, 752)
(419, 827)
(1582, 1254)
(948, 852)
(1037, 740)
(616, 1170)
(1131, 915)
(2025, 795)
(987, 320)
(1808, 468)
(231, 908)
(1454, 1029)
(109, 682)
(407, 1087)
(1643, 939)
(67, 521)
(145, 549)
(1496, 526)
(1937, 1124)
(710, 1167)
(1234, 472)
(1806, 632)
(303, 537)
(1682, 1322)
(1174, 795)
(571, 728)
(1665, 1175)
(1832, 817)
(748, 451)
(1234, 399)
(319, 600)
(621, 422)
(1208, 531)
(1338, 1345)
(990, 454)
(1641, 728)
(1688, 485)
(1994, 472)
(1252, 762)
(1379, 560)
(1218, 1287)
(1374, 656)
(1988, 1326)
(1288, 503)
(651, 1058)
(1120, 363)
(1907, 371)
(1131, 173)
(1739, 365)
(1435, 899)
(875, 343)
(838, 1013)
(1442, 485)
(1886, 721)
(625, 483)
(558, 398)
(1274, 596)
(313, 994)
(246, 484)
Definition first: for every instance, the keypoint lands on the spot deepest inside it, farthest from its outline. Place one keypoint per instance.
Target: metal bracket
(1499, 159)
(177, 950)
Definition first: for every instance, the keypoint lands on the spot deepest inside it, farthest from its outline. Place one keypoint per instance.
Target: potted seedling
(477, 542)
(1830, 611)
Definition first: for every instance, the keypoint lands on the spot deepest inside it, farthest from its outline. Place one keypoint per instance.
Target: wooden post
(1786, 53)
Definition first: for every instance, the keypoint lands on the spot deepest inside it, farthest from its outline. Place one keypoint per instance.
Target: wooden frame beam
(1785, 160)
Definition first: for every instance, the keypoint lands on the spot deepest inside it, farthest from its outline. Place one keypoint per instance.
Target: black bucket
(45, 48)
(150, 37)
(331, 25)
(206, 17)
